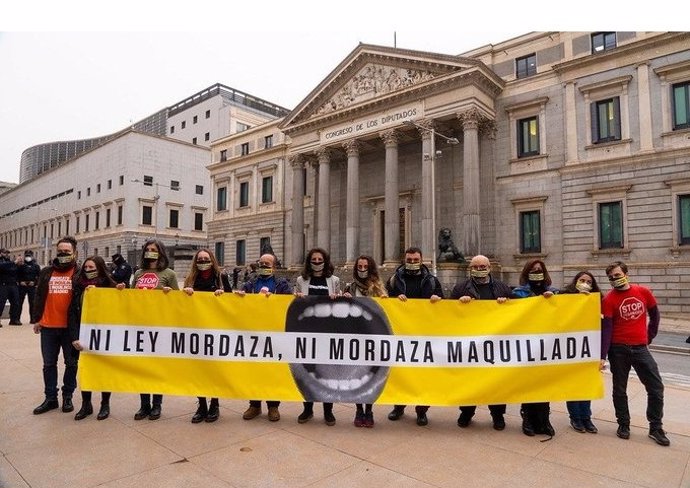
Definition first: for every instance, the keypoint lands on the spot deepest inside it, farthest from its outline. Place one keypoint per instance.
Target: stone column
(391, 251)
(471, 224)
(570, 122)
(352, 214)
(428, 249)
(323, 225)
(645, 107)
(297, 245)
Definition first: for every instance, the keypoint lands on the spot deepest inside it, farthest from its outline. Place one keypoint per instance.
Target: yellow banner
(344, 350)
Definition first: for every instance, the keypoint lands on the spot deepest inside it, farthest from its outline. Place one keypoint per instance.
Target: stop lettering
(148, 281)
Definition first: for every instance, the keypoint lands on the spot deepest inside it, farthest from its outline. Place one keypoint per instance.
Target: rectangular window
(240, 252)
(119, 215)
(603, 41)
(174, 185)
(198, 221)
(183, 124)
(78, 222)
(245, 148)
(195, 119)
(98, 188)
(224, 155)
(78, 194)
(110, 184)
(606, 120)
(172, 129)
(199, 189)
(148, 180)
(66, 230)
(122, 180)
(528, 137)
(97, 223)
(264, 242)
(222, 199)
(681, 106)
(207, 136)
(59, 229)
(146, 215)
(242, 127)
(530, 232)
(106, 253)
(88, 192)
(684, 218)
(86, 222)
(174, 218)
(610, 225)
(526, 66)
(107, 217)
(267, 189)
(194, 140)
(244, 194)
(208, 114)
(220, 252)
(268, 142)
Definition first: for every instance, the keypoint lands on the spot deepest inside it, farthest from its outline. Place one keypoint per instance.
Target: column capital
(297, 160)
(352, 147)
(323, 155)
(390, 137)
(472, 118)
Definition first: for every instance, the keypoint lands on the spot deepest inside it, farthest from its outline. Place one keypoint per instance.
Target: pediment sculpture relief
(372, 81)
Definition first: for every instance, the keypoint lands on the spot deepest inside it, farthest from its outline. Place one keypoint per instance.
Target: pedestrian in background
(27, 279)
(122, 271)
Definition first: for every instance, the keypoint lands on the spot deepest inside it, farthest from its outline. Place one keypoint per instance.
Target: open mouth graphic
(335, 382)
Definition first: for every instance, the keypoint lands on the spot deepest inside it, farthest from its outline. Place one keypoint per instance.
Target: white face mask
(536, 276)
(583, 286)
(316, 267)
(363, 275)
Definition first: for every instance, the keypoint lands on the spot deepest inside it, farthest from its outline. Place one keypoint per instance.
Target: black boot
(201, 411)
(213, 411)
(85, 410)
(104, 412)
(67, 405)
(527, 427)
(155, 411)
(47, 405)
(143, 412)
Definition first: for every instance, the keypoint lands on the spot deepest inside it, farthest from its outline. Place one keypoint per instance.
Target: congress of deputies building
(570, 147)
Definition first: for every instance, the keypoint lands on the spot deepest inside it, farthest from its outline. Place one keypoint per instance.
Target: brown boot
(251, 412)
(273, 414)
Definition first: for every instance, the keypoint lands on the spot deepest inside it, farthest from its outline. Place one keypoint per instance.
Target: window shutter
(595, 122)
(617, 117)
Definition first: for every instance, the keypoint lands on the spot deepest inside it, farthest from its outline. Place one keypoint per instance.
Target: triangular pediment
(370, 73)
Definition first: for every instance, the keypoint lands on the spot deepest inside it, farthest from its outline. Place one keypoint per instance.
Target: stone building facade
(571, 147)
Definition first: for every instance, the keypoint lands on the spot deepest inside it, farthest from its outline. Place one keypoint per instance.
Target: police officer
(122, 271)
(8, 287)
(27, 278)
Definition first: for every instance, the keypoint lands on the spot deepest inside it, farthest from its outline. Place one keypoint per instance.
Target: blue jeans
(621, 359)
(580, 409)
(52, 340)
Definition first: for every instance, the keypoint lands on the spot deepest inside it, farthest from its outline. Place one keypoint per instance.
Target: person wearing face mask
(122, 271)
(625, 337)
(27, 278)
(365, 283)
(481, 285)
(412, 279)
(266, 283)
(93, 273)
(8, 286)
(51, 305)
(535, 281)
(206, 275)
(317, 279)
(153, 274)
(580, 411)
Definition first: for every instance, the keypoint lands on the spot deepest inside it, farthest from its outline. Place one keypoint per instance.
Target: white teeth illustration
(343, 385)
(337, 310)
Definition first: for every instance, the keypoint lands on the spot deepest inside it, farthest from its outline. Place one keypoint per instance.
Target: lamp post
(156, 197)
(432, 159)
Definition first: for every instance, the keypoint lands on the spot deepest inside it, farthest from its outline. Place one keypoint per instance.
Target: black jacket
(397, 285)
(28, 272)
(469, 288)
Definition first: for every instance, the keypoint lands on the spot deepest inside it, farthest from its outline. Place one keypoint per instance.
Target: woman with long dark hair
(93, 273)
(206, 275)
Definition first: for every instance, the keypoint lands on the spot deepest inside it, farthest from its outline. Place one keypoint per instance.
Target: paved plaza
(53, 451)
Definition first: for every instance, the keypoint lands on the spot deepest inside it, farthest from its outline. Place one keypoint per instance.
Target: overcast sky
(68, 75)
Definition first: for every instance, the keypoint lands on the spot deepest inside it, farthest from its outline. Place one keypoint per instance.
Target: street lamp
(432, 158)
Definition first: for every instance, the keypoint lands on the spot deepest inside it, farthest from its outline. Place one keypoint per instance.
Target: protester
(93, 274)
(580, 411)
(27, 278)
(535, 281)
(413, 279)
(266, 283)
(122, 271)
(8, 287)
(365, 283)
(626, 336)
(53, 297)
(206, 275)
(317, 279)
(153, 273)
(481, 285)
